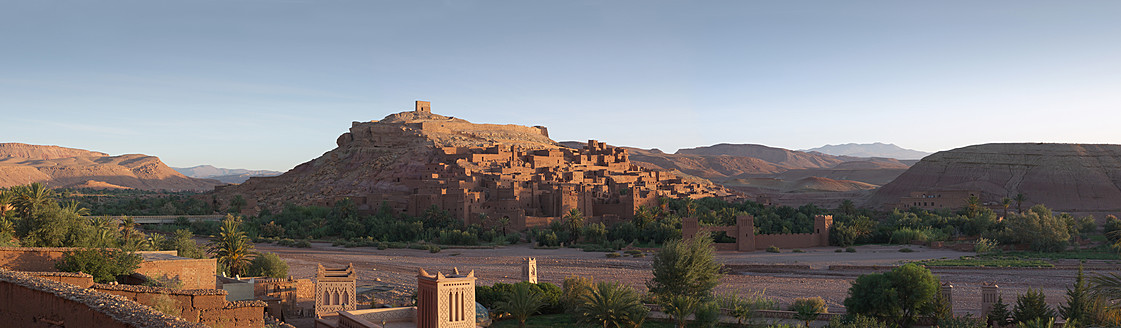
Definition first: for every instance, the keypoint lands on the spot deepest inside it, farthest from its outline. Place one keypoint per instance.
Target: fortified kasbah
(416, 160)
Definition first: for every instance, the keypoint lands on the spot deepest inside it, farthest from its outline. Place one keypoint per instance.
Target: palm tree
(1006, 202)
(575, 222)
(7, 197)
(612, 304)
(1020, 199)
(521, 303)
(679, 307)
(128, 228)
(972, 206)
(29, 199)
(504, 221)
(232, 248)
(104, 231)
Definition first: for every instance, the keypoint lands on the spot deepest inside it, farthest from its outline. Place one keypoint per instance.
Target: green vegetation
(611, 304)
(998, 262)
(267, 265)
(900, 295)
(103, 264)
(520, 303)
(684, 274)
(1032, 305)
(807, 309)
(232, 248)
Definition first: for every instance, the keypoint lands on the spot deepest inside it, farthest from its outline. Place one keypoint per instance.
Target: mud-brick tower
(445, 301)
(423, 107)
(335, 290)
(990, 293)
(529, 270)
(822, 223)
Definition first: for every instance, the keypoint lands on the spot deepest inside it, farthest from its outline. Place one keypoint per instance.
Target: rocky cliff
(68, 167)
(1065, 177)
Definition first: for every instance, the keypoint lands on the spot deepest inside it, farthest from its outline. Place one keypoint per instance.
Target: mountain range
(869, 150)
(223, 174)
(61, 167)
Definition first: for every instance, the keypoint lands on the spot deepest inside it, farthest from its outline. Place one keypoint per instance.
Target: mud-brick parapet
(26, 300)
(206, 306)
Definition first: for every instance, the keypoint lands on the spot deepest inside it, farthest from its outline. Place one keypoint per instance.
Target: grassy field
(999, 262)
(1068, 255)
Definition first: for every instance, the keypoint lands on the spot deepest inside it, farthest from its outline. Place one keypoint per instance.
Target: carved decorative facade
(335, 290)
(445, 301)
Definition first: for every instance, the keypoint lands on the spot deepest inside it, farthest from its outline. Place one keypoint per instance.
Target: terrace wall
(206, 306)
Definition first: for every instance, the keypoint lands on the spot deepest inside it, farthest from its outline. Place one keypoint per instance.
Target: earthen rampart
(27, 301)
(748, 241)
(192, 273)
(206, 306)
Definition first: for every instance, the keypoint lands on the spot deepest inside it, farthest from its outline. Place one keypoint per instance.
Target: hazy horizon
(269, 85)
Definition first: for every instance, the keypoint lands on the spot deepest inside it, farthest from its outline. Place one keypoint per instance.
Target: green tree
(521, 303)
(1020, 199)
(972, 206)
(574, 222)
(1078, 300)
(679, 307)
(900, 295)
(232, 248)
(612, 304)
(573, 290)
(267, 265)
(1039, 228)
(807, 309)
(999, 314)
(183, 241)
(1030, 306)
(103, 264)
(1005, 203)
(686, 268)
(30, 199)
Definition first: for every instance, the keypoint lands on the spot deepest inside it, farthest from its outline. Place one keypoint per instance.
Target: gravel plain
(783, 276)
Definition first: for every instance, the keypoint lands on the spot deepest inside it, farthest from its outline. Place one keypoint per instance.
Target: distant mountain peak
(877, 149)
(223, 174)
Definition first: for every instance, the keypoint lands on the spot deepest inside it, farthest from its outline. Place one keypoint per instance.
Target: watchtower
(335, 290)
(445, 301)
(529, 270)
(424, 107)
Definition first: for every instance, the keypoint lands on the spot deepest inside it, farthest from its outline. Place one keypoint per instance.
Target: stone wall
(27, 301)
(206, 306)
(193, 273)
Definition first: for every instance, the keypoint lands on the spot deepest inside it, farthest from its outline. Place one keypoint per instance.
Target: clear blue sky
(270, 84)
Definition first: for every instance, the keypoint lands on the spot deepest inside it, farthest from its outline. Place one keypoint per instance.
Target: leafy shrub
(984, 245)
(513, 238)
(707, 315)
(796, 250)
(572, 289)
(267, 265)
(612, 255)
(906, 250)
(850, 249)
(489, 296)
(103, 264)
(838, 250)
(773, 249)
(433, 249)
(639, 255)
(856, 321)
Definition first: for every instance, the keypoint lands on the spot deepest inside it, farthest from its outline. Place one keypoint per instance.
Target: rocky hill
(1065, 177)
(418, 157)
(869, 150)
(68, 167)
(763, 169)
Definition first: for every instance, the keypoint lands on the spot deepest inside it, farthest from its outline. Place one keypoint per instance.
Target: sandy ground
(396, 269)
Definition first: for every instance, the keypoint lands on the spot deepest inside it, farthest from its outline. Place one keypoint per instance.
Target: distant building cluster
(531, 187)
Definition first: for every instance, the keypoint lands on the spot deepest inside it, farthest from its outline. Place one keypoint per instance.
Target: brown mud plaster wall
(27, 301)
(206, 306)
(193, 273)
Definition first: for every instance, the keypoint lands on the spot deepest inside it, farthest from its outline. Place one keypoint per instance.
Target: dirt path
(782, 276)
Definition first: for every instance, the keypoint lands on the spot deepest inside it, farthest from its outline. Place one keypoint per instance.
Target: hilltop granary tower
(335, 290)
(529, 270)
(445, 301)
(424, 107)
